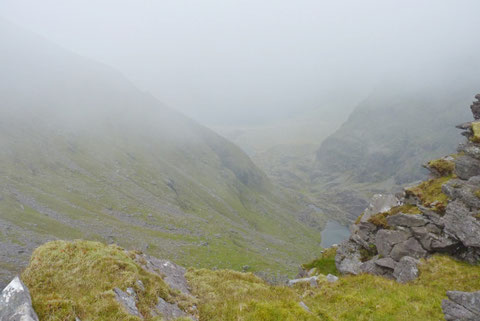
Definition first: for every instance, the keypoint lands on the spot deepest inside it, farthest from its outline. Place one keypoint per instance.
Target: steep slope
(379, 147)
(84, 154)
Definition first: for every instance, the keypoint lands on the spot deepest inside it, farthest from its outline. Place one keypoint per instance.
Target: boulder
(371, 267)
(348, 258)
(462, 306)
(16, 303)
(467, 167)
(406, 220)
(460, 223)
(410, 247)
(457, 189)
(455, 312)
(406, 270)
(469, 148)
(332, 278)
(378, 204)
(386, 262)
(387, 239)
(363, 233)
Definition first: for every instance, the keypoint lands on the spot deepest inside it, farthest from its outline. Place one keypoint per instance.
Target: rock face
(462, 306)
(16, 303)
(129, 300)
(394, 232)
(174, 276)
(380, 203)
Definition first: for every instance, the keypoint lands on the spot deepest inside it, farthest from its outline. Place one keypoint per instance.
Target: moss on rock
(430, 193)
(444, 167)
(380, 219)
(476, 132)
(325, 264)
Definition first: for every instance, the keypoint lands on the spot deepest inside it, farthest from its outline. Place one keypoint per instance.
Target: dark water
(334, 233)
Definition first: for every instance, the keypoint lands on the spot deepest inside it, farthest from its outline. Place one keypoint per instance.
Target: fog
(226, 62)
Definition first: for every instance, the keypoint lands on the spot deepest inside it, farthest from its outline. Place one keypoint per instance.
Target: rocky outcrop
(16, 303)
(476, 107)
(441, 215)
(462, 306)
(128, 300)
(174, 276)
(380, 203)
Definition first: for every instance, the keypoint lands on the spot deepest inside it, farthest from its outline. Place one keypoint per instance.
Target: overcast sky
(233, 62)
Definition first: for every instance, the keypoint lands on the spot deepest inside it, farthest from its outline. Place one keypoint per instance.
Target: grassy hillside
(84, 154)
(60, 278)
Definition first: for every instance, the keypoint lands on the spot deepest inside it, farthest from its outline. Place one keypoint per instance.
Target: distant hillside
(384, 140)
(84, 154)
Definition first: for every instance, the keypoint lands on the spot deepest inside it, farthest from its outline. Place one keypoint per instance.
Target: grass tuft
(232, 296)
(443, 166)
(325, 264)
(76, 279)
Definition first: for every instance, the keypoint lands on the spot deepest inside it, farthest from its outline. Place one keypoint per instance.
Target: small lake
(334, 233)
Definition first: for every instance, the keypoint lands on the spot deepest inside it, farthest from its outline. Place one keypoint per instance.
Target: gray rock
(475, 107)
(410, 247)
(16, 303)
(348, 258)
(363, 233)
(305, 307)
(471, 149)
(167, 310)
(466, 167)
(460, 223)
(406, 270)
(462, 306)
(386, 262)
(172, 274)
(455, 312)
(407, 220)
(371, 267)
(463, 191)
(387, 239)
(444, 244)
(471, 301)
(378, 204)
(467, 254)
(432, 216)
(464, 126)
(128, 301)
(332, 278)
(312, 280)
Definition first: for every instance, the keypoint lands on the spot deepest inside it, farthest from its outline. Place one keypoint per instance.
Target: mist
(244, 63)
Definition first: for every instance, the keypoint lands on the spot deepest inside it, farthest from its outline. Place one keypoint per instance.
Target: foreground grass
(227, 295)
(69, 279)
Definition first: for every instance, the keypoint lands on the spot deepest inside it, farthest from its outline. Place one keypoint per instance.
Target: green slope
(84, 154)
